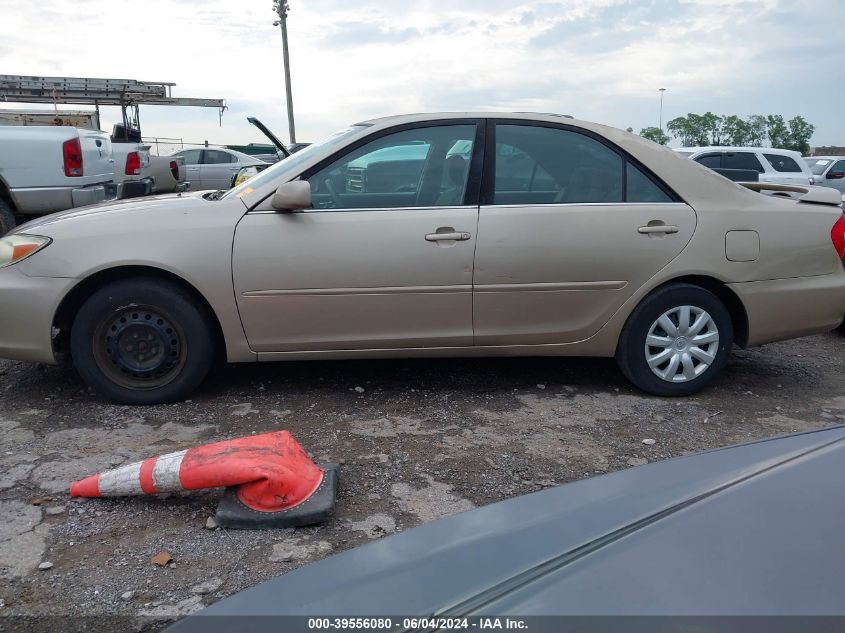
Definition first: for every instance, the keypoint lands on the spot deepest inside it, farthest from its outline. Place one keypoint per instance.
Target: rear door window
(641, 188)
(543, 165)
(741, 160)
(782, 163)
(191, 156)
(713, 161)
(216, 157)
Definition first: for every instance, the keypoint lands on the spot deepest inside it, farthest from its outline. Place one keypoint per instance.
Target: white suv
(780, 166)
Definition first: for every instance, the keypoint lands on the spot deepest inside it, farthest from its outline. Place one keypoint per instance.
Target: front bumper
(27, 308)
(781, 309)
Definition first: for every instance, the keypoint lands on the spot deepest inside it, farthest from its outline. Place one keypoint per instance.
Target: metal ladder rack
(126, 93)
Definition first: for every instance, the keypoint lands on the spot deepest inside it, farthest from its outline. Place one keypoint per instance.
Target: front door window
(421, 167)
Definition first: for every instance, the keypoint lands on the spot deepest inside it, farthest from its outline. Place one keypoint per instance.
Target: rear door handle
(457, 236)
(658, 228)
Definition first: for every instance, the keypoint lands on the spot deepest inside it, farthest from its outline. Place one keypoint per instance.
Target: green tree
(777, 131)
(798, 137)
(757, 130)
(655, 134)
(680, 129)
(713, 129)
(698, 129)
(690, 129)
(736, 131)
(711, 126)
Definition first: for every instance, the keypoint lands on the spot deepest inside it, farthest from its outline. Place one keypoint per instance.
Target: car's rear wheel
(142, 341)
(676, 341)
(7, 218)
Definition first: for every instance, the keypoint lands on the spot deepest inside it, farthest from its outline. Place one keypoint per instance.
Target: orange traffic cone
(270, 480)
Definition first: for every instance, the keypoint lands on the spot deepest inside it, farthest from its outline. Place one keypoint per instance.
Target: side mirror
(835, 175)
(292, 196)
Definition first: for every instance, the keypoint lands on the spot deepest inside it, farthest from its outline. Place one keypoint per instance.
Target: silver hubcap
(682, 344)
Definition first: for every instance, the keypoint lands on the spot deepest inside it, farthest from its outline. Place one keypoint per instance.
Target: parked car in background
(620, 249)
(169, 174)
(214, 169)
(828, 171)
(772, 165)
(51, 168)
(282, 152)
(747, 530)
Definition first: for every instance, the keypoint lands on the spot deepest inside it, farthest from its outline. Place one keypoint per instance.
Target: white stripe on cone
(166, 472)
(125, 480)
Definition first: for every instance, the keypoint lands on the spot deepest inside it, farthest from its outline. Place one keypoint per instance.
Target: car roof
(824, 157)
(398, 119)
(736, 148)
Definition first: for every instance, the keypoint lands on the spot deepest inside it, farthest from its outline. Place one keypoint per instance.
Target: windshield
(817, 165)
(293, 161)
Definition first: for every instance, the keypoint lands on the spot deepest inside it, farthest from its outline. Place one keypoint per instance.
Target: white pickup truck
(46, 169)
(132, 169)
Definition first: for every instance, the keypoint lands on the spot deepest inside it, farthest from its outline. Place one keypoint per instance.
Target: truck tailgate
(98, 165)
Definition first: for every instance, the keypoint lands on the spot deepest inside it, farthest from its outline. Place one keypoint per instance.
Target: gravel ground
(424, 439)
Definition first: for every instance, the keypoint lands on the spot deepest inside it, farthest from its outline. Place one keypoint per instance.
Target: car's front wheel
(142, 341)
(676, 341)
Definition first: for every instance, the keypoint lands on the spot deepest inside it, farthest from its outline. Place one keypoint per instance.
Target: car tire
(7, 218)
(684, 359)
(142, 341)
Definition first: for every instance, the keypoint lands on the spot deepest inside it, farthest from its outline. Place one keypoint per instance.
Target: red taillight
(133, 164)
(837, 236)
(174, 169)
(72, 154)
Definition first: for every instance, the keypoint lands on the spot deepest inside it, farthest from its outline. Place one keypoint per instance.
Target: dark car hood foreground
(755, 529)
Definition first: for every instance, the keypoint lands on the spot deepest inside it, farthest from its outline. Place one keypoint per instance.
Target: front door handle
(455, 236)
(657, 228)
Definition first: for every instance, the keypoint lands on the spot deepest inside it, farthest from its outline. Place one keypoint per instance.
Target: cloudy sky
(600, 60)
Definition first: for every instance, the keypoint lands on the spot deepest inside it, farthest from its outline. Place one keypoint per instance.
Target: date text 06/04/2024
(389, 624)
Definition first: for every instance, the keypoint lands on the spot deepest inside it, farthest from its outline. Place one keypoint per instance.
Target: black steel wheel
(142, 341)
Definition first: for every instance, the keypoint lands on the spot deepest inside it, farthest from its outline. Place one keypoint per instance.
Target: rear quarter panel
(795, 246)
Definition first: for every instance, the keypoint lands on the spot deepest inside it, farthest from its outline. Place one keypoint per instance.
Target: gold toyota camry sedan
(430, 235)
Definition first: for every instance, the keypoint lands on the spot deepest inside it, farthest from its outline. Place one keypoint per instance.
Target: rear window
(782, 163)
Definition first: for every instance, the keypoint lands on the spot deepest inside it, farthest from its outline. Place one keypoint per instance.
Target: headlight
(15, 248)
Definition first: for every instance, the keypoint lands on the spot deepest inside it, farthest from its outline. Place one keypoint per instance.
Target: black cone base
(232, 513)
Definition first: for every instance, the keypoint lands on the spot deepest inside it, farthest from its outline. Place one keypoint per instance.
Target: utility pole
(662, 90)
(281, 7)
